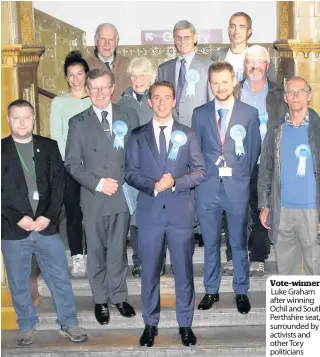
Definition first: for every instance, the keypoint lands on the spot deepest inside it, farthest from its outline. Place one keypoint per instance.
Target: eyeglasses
(291, 93)
(104, 89)
(251, 62)
(139, 76)
(183, 38)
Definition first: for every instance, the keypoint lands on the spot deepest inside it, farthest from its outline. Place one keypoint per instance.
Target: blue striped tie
(223, 122)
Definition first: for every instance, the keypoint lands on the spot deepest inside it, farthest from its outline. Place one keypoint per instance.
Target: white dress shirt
(98, 111)
(167, 133)
(188, 59)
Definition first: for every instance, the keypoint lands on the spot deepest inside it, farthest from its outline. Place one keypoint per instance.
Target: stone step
(81, 286)
(198, 256)
(223, 313)
(248, 341)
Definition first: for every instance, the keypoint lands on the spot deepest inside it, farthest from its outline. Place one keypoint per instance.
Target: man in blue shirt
(290, 210)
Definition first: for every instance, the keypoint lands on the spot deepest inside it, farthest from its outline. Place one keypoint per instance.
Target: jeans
(51, 257)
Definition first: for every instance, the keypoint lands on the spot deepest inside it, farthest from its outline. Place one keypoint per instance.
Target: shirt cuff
(99, 186)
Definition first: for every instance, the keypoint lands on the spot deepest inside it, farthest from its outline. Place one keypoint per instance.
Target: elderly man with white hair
(105, 56)
(258, 91)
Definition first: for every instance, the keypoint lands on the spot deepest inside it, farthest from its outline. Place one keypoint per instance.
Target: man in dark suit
(228, 131)
(164, 161)
(105, 56)
(95, 154)
(32, 188)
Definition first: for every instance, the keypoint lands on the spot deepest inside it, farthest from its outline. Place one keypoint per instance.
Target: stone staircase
(221, 331)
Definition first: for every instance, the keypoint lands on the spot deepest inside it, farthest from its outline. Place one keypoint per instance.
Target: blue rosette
(192, 78)
(238, 133)
(178, 139)
(263, 117)
(120, 129)
(303, 153)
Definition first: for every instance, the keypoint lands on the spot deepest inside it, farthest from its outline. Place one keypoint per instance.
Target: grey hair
(142, 65)
(97, 73)
(256, 50)
(107, 25)
(184, 25)
(294, 78)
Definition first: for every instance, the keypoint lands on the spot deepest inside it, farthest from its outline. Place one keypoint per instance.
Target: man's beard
(258, 76)
(224, 96)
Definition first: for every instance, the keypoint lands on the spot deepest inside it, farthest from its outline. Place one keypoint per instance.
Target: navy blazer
(142, 171)
(237, 186)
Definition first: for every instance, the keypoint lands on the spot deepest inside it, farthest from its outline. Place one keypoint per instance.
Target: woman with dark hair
(64, 107)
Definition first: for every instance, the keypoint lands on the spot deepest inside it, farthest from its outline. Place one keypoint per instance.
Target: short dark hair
(74, 58)
(99, 72)
(219, 66)
(161, 84)
(243, 14)
(20, 103)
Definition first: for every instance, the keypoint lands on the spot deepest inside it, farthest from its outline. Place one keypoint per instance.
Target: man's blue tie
(181, 81)
(223, 122)
(162, 147)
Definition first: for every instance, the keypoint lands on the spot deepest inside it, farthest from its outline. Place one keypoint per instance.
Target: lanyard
(32, 174)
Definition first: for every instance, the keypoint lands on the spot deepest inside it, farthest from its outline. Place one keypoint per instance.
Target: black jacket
(14, 191)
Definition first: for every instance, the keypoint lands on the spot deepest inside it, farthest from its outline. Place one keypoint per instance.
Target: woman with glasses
(64, 107)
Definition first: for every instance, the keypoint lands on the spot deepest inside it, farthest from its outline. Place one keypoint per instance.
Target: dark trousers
(73, 215)
(258, 243)
(181, 246)
(210, 216)
(135, 251)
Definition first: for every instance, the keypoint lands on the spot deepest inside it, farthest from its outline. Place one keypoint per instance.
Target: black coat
(14, 191)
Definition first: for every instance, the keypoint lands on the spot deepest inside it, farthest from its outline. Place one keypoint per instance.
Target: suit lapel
(15, 163)
(94, 127)
(232, 118)
(172, 73)
(213, 122)
(152, 142)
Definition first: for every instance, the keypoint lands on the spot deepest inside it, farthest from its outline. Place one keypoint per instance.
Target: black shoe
(200, 240)
(243, 303)
(163, 268)
(101, 312)
(137, 270)
(187, 336)
(125, 309)
(147, 338)
(207, 301)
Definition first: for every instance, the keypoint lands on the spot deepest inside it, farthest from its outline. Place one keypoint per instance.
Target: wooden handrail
(46, 93)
